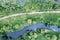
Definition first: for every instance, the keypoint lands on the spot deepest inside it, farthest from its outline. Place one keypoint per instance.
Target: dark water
(57, 1)
(34, 28)
(21, 2)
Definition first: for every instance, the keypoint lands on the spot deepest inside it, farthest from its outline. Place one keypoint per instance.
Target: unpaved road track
(17, 14)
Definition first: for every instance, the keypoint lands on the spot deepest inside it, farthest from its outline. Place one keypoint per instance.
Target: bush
(18, 23)
(14, 6)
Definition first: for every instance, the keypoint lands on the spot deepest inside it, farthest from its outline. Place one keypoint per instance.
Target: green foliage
(18, 23)
(15, 6)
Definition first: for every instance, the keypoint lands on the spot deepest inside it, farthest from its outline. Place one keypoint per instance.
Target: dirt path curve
(17, 14)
